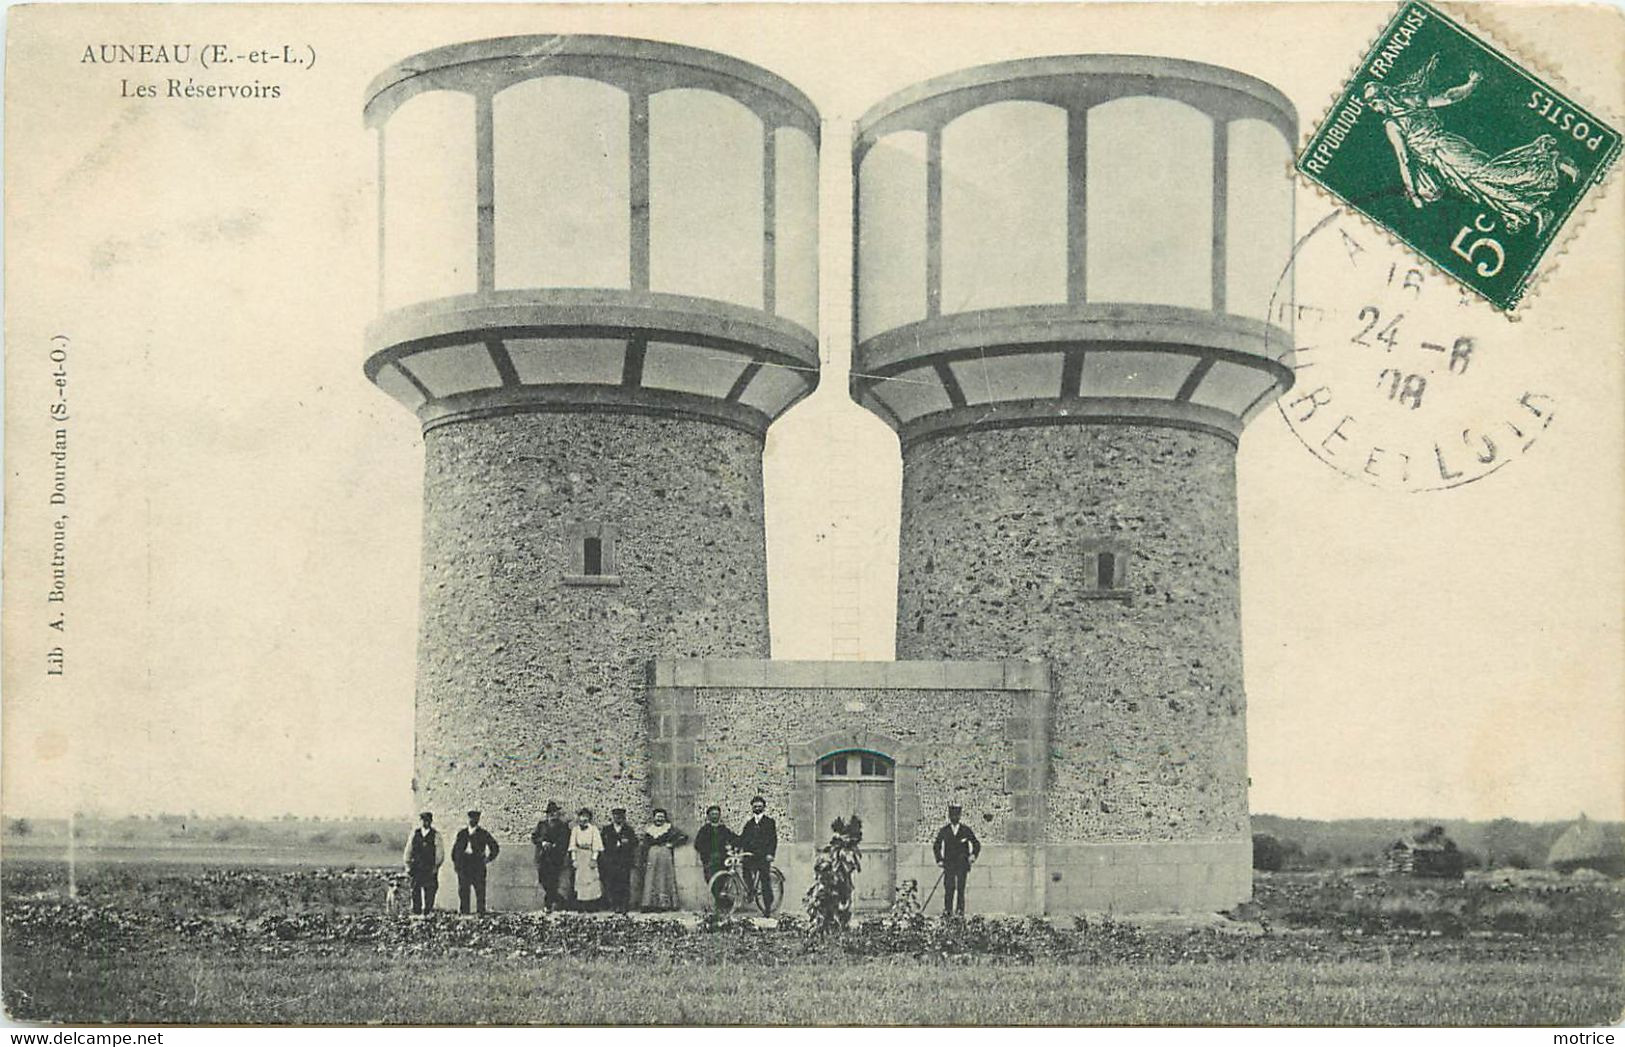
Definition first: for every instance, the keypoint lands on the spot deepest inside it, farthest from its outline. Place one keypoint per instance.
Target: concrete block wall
(1007, 878)
(1062, 879)
(531, 688)
(1191, 876)
(1057, 879)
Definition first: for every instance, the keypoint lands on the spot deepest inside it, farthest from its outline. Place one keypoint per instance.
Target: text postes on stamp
(1404, 380)
(1464, 155)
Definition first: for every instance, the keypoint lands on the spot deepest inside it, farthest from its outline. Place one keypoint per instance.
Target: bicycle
(731, 889)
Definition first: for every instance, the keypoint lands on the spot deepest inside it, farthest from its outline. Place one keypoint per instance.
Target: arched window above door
(856, 763)
(822, 787)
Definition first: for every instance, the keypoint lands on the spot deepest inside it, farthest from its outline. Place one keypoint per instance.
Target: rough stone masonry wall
(957, 737)
(972, 732)
(966, 741)
(1148, 738)
(531, 689)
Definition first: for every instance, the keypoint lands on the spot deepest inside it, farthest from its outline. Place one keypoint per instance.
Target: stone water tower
(1065, 270)
(598, 288)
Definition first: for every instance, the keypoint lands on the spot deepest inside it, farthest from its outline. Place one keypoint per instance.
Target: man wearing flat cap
(956, 847)
(551, 840)
(712, 840)
(615, 864)
(474, 850)
(425, 852)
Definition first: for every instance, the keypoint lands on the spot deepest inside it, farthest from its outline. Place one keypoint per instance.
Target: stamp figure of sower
(1514, 185)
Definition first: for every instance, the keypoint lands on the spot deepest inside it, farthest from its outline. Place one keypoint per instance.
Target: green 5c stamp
(1459, 152)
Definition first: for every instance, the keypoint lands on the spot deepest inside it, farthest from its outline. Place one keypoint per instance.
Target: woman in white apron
(660, 868)
(585, 846)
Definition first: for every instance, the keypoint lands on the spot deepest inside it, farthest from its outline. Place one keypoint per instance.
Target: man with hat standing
(956, 847)
(425, 852)
(615, 864)
(474, 850)
(551, 839)
(759, 837)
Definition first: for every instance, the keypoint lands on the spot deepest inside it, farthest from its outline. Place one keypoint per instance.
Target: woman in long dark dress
(662, 839)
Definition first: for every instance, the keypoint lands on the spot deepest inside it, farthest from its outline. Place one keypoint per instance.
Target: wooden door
(861, 783)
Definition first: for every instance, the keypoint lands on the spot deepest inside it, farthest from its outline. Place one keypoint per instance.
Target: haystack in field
(1587, 845)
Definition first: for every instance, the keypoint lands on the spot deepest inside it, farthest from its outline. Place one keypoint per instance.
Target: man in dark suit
(615, 864)
(551, 839)
(956, 847)
(759, 838)
(474, 850)
(424, 853)
(713, 841)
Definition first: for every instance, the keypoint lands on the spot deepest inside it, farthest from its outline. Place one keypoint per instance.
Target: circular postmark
(1405, 380)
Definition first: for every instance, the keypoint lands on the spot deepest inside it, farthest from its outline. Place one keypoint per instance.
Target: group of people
(582, 866)
(587, 867)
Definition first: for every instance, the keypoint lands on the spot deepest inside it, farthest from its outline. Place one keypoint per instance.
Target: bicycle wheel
(727, 892)
(775, 878)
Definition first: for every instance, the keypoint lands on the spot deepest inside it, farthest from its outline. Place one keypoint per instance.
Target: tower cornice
(1078, 81)
(485, 67)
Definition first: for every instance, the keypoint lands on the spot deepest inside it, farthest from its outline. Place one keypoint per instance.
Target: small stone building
(599, 288)
(1429, 854)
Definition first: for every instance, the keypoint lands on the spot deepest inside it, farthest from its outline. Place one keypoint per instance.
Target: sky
(243, 507)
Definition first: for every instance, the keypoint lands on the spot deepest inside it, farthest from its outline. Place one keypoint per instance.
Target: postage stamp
(1461, 153)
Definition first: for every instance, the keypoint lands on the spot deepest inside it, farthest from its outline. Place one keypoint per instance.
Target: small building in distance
(1429, 853)
(1587, 845)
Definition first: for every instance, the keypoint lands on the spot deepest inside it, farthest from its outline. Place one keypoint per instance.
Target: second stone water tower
(1065, 274)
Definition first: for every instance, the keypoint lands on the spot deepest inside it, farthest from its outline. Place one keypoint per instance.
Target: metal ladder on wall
(844, 550)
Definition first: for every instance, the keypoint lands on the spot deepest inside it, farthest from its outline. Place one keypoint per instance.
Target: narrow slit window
(589, 549)
(1105, 568)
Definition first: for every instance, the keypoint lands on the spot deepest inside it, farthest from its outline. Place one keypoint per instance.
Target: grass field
(178, 945)
(361, 986)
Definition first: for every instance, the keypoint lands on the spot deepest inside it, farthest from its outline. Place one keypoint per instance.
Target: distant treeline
(161, 830)
(1303, 843)
(1307, 843)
